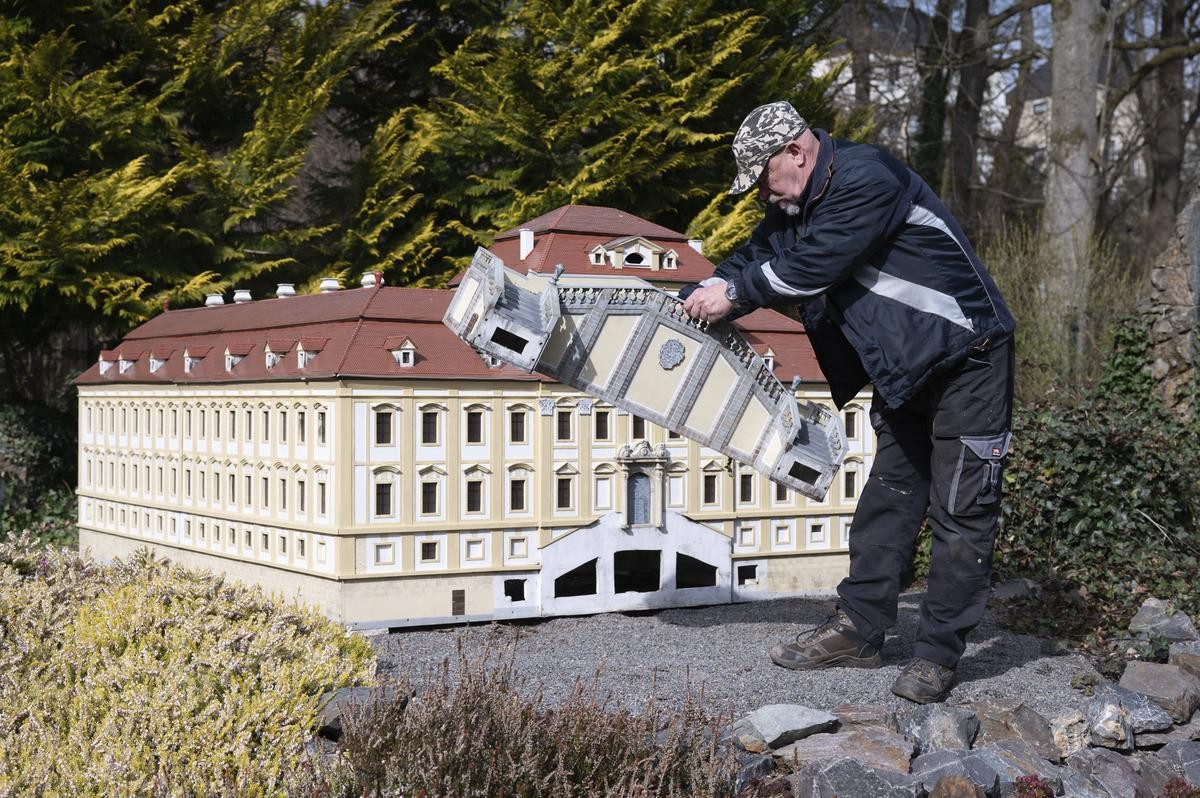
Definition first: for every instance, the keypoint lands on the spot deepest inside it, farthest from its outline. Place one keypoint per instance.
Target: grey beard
(790, 208)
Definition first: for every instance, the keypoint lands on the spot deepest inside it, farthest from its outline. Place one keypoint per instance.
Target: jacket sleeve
(852, 221)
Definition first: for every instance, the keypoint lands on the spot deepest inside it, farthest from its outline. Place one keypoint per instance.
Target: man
(891, 293)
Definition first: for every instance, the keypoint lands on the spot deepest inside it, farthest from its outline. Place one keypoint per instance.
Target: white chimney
(285, 290)
(241, 296)
(526, 242)
(329, 285)
(697, 244)
(212, 300)
(369, 279)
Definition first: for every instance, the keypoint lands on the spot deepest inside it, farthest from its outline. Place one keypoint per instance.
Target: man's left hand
(708, 303)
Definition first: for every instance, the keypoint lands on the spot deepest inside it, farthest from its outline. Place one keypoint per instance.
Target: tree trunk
(1166, 136)
(964, 125)
(1002, 183)
(1068, 218)
(929, 153)
(859, 38)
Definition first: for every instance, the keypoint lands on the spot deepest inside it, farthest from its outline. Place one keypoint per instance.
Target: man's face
(782, 181)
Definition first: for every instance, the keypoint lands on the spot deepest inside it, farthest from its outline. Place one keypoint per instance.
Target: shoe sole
(843, 661)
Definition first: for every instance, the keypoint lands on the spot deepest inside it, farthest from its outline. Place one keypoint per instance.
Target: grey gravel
(722, 651)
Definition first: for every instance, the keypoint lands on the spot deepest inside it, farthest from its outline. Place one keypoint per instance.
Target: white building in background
(346, 449)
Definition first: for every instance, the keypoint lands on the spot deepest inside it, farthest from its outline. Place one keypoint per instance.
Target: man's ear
(796, 151)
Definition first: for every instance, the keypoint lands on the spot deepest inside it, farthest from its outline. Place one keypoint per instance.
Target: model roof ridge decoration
(622, 340)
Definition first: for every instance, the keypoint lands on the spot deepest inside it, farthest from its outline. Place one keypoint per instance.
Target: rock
(1057, 647)
(1070, 731)
(852, 715)
(1162, 619)
(1109, 725)
(778, 787)
(775, 725)
(933, 768)
(1155, 771)
(870, 745)
(937, 726)
(1144, 714)
(1111, 771)
(338, 704)
(1188, 731)
(1080, 785)
(957, 787)
(752, 770)
(846, 778)
(1186, 656)
(1014, 589)
(319, 750)
(1013, 720)
(1169, 686)
(1012, 759)
(1185, 755)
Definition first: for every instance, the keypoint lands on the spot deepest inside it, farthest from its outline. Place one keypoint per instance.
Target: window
(710, 488)
(283, 544)
(266, 542)
(216, 487)
(248, 498)
(781, 493)
(516, 426)
(321, 498)
(639, 427)
(283, 426)
(383, 427)
(216, 533)
(301, 489)
(639, 498)
(673, 435)
(232, 425)
(850, 484)
(248, 540)
(232, 489)
(320, 427)
(429, 498)
(383, 498)
(249, 424)
(216, 423)
(266, 425)
(187, 422)
(564, 493)
(475, 426)
(300, 426)
(187, 483)
(160, 421)
(851, 424)
(266, 492)
(516, 495)
(564, 425)
(385, 554)
(282, 493)
(300, 548)
(429, 551)
(474, 549)
(518, 548)
(746, 488)
(474, 495)
(600, 419)
(429, 427)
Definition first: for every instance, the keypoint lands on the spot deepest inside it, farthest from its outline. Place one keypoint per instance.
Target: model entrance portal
(632, 345)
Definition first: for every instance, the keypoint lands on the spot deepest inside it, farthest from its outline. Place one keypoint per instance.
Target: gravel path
(723, 649)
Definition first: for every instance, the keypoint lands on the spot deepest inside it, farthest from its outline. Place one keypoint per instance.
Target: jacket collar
(822, 171)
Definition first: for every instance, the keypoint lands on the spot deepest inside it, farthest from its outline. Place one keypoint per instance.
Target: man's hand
(708, 303)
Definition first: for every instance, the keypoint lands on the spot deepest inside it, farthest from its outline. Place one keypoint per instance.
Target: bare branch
(1145, 70)
(999, 18)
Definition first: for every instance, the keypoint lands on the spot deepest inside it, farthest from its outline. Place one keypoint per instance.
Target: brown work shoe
(833, 644)
(924, 682)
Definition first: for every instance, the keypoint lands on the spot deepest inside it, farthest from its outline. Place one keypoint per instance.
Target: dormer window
(272, 358)
(192, 357)
(598, 256)
(670, 260)
(231, 361)
(125, 361)
(106, 362)
(406, 357)
(769, 359)
(190, 363)
(402, 349)
(635, 259)
(303, 357)
(156, 363)
(309, 348)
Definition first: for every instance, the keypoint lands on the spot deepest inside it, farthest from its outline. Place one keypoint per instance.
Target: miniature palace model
(628, 343)
(345, 448)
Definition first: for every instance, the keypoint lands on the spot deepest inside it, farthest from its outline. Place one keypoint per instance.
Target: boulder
(1080, 785)
(932, 768)
(852, 715)
(845, 778)
(1186, 656)
(1112, 771)
(752, 769)
(956, 787)
(1071, 732)
(1161, 618)
(937, 726)
(775, 725)
(870, 745)
(1188, 731)
(1012, 759)
(1013, 720)
(339, 704)
(1109, 725)
(1144, 714)
(1155, 771)
(1169, 686)
(1186, 756)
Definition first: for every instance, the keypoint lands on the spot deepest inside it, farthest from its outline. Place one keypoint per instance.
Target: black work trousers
(941, 453)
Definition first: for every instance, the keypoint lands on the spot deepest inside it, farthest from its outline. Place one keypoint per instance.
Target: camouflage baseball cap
(764, 132)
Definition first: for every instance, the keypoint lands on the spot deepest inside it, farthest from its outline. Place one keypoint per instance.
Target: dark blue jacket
(888, 287)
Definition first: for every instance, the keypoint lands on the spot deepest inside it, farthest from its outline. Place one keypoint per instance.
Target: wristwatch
(731, 292)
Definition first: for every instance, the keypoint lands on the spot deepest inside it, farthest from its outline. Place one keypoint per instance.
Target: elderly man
(891, 293)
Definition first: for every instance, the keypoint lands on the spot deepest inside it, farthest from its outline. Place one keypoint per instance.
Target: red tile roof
(353, 331)
(568, 234)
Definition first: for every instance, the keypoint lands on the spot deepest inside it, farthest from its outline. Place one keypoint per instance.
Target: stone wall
(1171, 307)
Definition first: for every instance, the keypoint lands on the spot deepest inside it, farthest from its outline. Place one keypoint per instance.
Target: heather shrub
(143, 678)
(479, 729)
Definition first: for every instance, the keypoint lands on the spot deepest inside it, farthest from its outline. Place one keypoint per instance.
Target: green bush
(1103, 498)
(37, 467)
(141, 678)
(477, 729)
